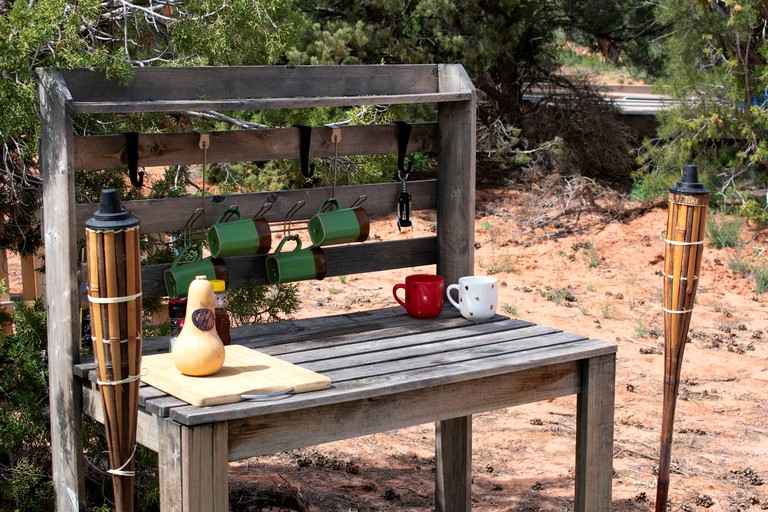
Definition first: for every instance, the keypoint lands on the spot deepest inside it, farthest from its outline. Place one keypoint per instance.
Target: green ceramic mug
(296, 265)
(240, 237)
(186, 266)
(334, 225)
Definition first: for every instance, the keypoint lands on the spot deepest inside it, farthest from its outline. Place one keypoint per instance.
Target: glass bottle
(177, 310)
(222, 310)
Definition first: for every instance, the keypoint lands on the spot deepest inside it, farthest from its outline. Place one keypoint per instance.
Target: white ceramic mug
(478, 296)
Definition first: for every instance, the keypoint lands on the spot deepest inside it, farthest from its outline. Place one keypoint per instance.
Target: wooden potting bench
(388, 370)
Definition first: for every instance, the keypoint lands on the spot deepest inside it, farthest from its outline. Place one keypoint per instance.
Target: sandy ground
(583, 273)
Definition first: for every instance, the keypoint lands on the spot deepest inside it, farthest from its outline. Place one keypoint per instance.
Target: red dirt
(524, 457)
(583, 274)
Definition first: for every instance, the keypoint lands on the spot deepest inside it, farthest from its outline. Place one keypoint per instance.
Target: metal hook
(132, 158)
(198, 214)
(403, 136)
(360, 200)
(289, 216)
(263, 211)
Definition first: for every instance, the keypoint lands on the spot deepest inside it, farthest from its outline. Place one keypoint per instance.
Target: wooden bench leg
(594, 435)
(453, 460)
(193, 467)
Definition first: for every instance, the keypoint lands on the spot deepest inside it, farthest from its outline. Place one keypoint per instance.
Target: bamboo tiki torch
(687, 221)
(114, 293)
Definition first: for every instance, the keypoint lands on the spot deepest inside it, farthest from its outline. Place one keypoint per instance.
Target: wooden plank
(6, 296)
(204, 468)
(271, 433)
(170, 464)
(334, 346)
(172, 214)
(107, 107)
(453, 465)
(56, 155)
(146, 433)
(31, 278)
(6, 305)
(245, 371)
(238, 82)
(342, 260)
(399, 382)
(456, 180)
(455, 364)
(594, 435)
(167, 149)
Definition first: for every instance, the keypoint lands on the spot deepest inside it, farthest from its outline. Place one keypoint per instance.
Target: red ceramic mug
(423, 295)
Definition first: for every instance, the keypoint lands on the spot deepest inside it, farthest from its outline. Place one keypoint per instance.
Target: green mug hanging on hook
(189, 264)
(295, 265)
(238, 237)
(333, 225)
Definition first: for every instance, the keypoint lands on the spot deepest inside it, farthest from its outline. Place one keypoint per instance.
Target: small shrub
(760, 275)
(562, 295)
(754, 212)
(502, 264)
(261, 303)
(724, 232)
(739, 265)
(592, 255)
(510, 310)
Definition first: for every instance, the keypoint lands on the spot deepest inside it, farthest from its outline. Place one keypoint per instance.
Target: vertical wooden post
(455, 258)
(204, 466)
(169, 463)
(456, 178)
(56, 157)
(594, 435)
(5, 298)
(453, 463)
(31, 279)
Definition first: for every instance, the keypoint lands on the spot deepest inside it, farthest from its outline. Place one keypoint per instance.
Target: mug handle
(450, 298)
(228, 213)
(330, 201)
(394, 294)
(295, 238)
(183, 252)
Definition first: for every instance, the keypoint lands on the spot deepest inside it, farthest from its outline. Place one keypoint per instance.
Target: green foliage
(760, 275)
(723, 231)
(754, 212)
(27, 486)
(262, 303)
(716, 67)
(24, 421)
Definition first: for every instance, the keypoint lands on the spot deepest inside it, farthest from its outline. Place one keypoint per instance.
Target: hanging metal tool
(335, 138)
(305, 137)
(403, 197)
(132, 158)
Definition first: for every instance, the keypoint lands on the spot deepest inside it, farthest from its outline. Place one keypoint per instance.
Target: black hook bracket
(305, 137)
(403, 136)
(132, 158)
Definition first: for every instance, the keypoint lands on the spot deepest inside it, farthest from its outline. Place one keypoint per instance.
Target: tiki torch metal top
(689, 182)
(111, 214)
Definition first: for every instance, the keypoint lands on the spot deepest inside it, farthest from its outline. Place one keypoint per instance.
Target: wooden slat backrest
(172, 214)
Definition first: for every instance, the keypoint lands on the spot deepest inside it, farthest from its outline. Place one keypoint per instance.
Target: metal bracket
(335, 133)
(205, 140)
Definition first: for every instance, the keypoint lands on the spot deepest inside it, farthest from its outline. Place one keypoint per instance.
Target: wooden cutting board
(245, 371)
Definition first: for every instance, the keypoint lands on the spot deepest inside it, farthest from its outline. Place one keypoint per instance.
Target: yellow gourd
(198, 350)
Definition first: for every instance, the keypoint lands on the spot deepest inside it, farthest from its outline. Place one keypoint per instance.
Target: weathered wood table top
(388, 371)
(381, 352)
